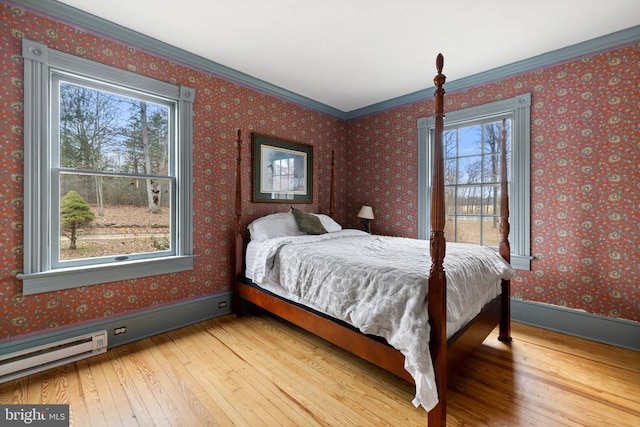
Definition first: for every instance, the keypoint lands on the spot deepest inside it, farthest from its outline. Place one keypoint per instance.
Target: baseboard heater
(37, 359)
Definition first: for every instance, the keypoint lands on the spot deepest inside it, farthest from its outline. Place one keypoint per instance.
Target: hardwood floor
(256, 370)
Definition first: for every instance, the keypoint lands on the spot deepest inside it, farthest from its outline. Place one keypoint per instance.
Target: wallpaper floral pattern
(220, 109)
(585, 178)
(585, 181)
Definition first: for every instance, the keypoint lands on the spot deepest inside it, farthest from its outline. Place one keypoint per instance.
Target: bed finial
(439, 63)
(440, 78)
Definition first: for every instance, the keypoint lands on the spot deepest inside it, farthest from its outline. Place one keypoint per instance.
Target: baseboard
(142, 324)
(618, 332)
(137, 325)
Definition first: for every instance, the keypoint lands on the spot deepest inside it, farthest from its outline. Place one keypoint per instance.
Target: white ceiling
(350, 54)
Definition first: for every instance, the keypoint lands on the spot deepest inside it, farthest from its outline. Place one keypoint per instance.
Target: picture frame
(282, 171)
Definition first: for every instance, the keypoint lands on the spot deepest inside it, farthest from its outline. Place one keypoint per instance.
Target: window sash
(55, 237)
(466, 212)
(519, 165)
(57, 79)
(38, 274)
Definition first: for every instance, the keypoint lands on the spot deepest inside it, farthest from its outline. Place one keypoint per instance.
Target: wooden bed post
(238, 255)
(332, 198)
(505, 247)
(437, 297)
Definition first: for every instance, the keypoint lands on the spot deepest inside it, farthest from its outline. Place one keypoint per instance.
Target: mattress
(453, 326)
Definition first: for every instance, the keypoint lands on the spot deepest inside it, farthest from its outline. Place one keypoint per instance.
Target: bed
(429, 338)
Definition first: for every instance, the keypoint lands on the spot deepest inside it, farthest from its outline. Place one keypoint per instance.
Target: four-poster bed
(447, 353)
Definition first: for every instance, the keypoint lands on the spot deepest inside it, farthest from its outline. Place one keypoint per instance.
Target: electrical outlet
(100, 340)
(120, 330)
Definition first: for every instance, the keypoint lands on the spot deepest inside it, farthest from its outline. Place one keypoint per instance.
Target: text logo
(34, 415)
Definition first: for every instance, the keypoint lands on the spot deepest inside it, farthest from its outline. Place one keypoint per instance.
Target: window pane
(450, 172)
(491, 231)
(490, 200)
(508, 123)
(469, 200)
(469, 140)
(468, 229)
(491, 168)
(450, 229)
(450, 141)
(450, 200)
(470, 170)
(103, 131)
(113, 216)
(491, 137)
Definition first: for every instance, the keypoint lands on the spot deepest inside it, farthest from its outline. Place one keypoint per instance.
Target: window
(107, 173)
(283, 174)
(472, 182)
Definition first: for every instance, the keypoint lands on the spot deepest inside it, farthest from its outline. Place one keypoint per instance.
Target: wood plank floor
(259, 371)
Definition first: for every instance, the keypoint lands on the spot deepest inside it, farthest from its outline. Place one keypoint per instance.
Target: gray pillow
(307, 223)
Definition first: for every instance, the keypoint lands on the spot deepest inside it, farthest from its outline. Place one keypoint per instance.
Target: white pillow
(328, 223)
(274, 225)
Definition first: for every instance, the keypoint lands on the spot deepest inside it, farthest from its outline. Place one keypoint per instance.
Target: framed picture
(282, 170)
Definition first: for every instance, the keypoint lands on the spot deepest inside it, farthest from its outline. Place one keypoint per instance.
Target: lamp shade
(365, 212)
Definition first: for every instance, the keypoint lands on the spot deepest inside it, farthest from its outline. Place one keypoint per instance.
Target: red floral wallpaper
(220, 108)
(585, 181)
(585, 178)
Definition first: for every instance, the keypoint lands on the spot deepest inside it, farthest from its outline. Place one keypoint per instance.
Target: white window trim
(519, 187)
(37, 275)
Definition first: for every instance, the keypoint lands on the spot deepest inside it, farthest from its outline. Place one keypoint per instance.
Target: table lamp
(366, 213)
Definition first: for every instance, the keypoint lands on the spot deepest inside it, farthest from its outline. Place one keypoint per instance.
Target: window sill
(66, 278)
(521, 262)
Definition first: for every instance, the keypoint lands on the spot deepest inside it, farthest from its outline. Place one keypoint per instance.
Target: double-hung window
(107, 173)
(471, 143)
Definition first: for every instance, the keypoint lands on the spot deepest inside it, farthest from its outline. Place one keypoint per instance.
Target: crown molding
(113, 31)
(556, 57)
(125, 35)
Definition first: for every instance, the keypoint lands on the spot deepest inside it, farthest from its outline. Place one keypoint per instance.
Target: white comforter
(379, 284)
